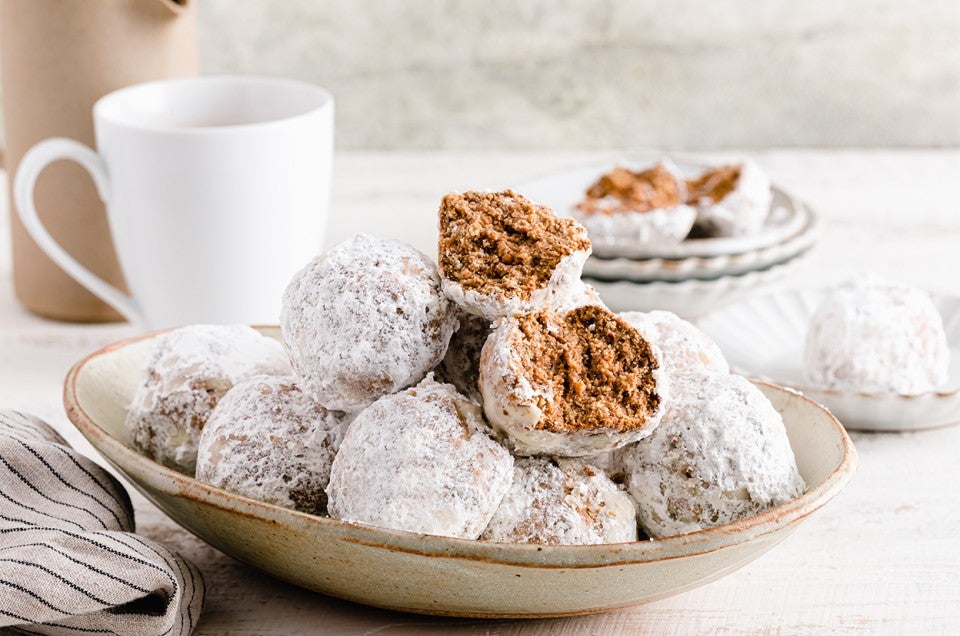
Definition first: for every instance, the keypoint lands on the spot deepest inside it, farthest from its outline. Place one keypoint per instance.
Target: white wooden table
(882, 558)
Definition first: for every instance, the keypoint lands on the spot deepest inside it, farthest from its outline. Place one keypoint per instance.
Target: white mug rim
(102, 107)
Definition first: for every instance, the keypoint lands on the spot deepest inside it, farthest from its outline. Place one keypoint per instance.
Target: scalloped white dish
(692, 297)
(764, 337)
(662, 269)
(441, 575)
(563, 189)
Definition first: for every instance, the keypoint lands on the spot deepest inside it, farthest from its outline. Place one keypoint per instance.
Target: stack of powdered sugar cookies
(490, 396)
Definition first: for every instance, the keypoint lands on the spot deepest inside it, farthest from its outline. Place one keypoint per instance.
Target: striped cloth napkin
(69, 561)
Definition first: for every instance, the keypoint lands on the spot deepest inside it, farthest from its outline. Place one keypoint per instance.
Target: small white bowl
(440, 575)
(692, 297)
(764, 337)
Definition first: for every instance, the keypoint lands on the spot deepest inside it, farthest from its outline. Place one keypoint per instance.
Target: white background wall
(546, 74)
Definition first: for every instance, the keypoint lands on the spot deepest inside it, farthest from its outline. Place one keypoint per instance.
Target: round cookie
(267, 440)
(720, 454)
(562, 502)
(186, 373)
(731, 200)
(683, 347)
(873, 336)
(364, 319)
(632, 209)
(500, 254)
(422, 460)
(571, 383)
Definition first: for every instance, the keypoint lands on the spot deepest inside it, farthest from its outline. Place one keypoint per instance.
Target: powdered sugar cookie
(732, 200)
(461, 364)
(267, 440)
(422, 460)
(364, 319)
(187, 372)
(720, 454)
(501, 254)
(562, 502)
(571, 383)
(627, 208)
(873, 336)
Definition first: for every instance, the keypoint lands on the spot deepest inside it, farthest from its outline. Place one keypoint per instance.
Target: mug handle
(31, 165)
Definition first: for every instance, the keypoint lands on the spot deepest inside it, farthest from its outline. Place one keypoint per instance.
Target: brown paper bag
(57, 57)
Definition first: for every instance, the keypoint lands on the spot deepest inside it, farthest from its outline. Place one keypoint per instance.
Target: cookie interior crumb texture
(651, 189)
(714, 184)
(598, 368)
(503, 244)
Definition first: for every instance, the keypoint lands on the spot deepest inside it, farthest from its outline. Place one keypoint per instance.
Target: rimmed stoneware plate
(444, 576)
(705, 267)
(563, 189)
(764, 337)
(692, 297)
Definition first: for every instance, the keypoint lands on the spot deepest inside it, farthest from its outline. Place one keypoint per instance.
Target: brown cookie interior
(714, 184)
(599, 369)
(623, 190)
(503, 244)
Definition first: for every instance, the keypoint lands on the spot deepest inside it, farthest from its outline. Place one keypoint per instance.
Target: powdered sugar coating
(422, 460)
(581, 295)
(510, 403)
(662, 226)
(559, 289)
(873, 336)
(720, 454)
(267, 440)
(364, 319)
(741, 212)
(684, 348)
(187, 372)
(562, 502)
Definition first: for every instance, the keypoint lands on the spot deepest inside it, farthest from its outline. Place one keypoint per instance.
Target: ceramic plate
(689, 298)
(444, 576)
(764, 337)
(563, 189)
(703, 267)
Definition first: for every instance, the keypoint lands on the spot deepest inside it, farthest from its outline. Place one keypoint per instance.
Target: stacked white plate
(695, 275)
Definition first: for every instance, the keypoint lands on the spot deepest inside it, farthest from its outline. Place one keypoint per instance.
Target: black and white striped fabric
(69, 561)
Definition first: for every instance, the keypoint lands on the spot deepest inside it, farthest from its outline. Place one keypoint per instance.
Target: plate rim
(731, 281)
(680, 269)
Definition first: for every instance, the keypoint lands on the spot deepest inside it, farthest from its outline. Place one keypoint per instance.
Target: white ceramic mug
(216, 191)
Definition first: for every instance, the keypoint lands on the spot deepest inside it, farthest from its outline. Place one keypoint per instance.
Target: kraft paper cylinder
(57, 57)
